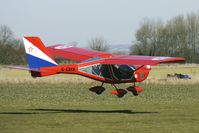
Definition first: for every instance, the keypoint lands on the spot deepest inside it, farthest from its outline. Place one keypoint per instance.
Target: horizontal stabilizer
(26, 68)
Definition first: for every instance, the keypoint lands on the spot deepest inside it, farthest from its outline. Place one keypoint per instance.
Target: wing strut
(139, 67)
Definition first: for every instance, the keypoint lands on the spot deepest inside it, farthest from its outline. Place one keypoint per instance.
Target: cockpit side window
(99, 70)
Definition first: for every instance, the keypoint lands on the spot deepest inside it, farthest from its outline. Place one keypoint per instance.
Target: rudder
(37, 54)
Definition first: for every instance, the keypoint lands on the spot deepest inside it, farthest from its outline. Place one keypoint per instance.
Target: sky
(65, 21)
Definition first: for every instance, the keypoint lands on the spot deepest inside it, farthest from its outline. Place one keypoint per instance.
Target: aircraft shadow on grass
(48, 111)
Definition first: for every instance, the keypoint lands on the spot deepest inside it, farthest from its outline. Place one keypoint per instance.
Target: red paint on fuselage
(141, 73)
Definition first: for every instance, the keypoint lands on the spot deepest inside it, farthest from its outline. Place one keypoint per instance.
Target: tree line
(11, 49)
(177, 37)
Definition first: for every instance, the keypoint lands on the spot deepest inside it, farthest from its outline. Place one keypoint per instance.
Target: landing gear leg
(102, 84)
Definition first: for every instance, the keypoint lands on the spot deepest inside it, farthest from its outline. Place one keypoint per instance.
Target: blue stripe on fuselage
(35, 62)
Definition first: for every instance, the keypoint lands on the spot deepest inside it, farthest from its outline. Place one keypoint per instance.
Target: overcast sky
(64, 21)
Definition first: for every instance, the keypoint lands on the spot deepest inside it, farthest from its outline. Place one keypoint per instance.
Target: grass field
(63, 103)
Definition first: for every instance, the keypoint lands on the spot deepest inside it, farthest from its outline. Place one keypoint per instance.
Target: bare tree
(6, 35)
(99, 44)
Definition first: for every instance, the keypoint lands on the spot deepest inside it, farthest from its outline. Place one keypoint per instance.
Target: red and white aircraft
(100, 66)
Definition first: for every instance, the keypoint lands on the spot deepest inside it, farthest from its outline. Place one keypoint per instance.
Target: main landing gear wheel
(97, 89)
(119, 92)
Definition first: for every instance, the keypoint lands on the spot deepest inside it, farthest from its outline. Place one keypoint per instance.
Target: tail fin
(37, 54)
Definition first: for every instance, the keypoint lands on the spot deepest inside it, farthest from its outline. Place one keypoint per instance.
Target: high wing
(75, 53)
(80, 54)
(140, 60)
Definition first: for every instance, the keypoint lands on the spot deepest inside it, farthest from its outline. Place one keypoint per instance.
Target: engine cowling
(142, 73)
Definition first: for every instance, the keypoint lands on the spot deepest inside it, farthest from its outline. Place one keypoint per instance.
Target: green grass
(64, 104)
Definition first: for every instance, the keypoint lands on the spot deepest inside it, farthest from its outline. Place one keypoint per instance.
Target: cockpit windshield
(123, 72)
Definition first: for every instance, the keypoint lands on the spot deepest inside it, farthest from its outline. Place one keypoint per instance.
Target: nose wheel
(135, 90)
(132, 90)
